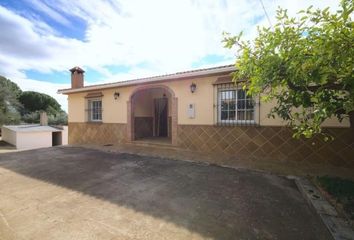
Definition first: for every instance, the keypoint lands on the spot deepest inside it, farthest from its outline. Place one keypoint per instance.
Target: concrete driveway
(78, 193)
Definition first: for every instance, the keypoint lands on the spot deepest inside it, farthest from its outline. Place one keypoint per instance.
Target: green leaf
(305, 64)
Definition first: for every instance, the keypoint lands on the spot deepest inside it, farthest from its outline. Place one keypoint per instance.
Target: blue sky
(114, 40)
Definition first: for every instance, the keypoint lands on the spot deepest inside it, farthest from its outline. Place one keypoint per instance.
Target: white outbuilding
(32, 136)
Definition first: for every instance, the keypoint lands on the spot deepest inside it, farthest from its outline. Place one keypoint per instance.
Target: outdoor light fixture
(116, 95)
(193, 87)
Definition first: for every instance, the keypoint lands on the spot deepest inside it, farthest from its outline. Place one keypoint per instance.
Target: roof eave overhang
(150, 80)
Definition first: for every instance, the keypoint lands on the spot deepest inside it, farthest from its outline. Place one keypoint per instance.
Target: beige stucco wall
(144, 102)
(333, 122)
(76, 107)
(143, 105)
(202, 99)
(265, 108)
(115, 111)
(64, 136)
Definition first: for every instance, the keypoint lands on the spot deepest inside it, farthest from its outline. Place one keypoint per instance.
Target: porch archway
(152, 114)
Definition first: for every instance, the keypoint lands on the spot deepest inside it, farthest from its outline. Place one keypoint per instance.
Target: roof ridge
(153, 77)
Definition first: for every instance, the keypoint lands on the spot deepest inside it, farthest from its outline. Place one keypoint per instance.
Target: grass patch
(342, 190)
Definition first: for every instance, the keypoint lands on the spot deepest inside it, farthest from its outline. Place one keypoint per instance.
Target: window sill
(95, 122)
(237, 124)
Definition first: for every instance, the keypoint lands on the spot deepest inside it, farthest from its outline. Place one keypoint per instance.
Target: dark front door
(161, 117)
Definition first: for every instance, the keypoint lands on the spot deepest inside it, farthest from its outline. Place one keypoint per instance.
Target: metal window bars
(233, 106)
(94, 115)
(94, 112)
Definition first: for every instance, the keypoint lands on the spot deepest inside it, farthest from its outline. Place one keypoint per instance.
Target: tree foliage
(305, 64)
(60, 118)
(9, 105)
(11, 86)
(35, 101)
(17, 106)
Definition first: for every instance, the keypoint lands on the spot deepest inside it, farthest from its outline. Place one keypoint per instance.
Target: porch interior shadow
(216, 202)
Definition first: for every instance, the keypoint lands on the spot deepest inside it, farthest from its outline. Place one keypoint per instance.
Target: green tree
(11, 86)
(9, 105)
(11, 97)
(60, 118)
(35, 101)
(31, 117)
(305, 64)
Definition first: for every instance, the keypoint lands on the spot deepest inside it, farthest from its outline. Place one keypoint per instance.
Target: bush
(337, 186)
(59, 119)
(342, 190)
(32, 117)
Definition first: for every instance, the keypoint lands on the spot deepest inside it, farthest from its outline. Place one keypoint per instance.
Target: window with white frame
(95, 110)
(234, 105)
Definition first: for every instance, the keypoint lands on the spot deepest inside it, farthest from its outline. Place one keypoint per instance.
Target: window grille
(233, 106)
(94, 111)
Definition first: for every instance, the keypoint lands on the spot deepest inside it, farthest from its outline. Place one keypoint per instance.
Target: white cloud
(166, 36)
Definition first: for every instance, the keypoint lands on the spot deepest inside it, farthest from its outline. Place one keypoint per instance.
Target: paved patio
(80, 193)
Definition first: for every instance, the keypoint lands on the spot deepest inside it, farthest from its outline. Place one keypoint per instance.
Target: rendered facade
(200, 110)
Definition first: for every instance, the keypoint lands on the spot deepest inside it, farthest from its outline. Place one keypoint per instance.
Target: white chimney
(43, 118)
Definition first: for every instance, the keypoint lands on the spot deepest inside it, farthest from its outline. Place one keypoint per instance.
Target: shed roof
(32, 128)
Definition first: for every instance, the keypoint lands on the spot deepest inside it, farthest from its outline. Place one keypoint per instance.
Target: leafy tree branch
(305, 64)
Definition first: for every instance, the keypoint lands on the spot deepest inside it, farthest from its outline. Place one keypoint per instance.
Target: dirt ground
(80, 193)
(6, 147)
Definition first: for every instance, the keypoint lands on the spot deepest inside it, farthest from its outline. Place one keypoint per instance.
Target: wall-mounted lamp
(193, 87)
(116, 95)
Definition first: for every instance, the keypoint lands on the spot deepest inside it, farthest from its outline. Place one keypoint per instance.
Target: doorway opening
(151, 115)
(56, 138)
(161, 117)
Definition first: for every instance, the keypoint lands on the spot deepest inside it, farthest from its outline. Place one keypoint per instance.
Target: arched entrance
(152, 115)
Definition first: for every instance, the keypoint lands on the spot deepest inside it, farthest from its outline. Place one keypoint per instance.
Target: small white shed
(34, 136)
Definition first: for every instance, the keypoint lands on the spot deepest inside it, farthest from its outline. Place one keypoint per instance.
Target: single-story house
(32, 136)
(200, 110)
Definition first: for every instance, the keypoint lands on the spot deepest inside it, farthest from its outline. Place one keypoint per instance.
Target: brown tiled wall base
(269, 143)
(251, 143)
(97, 133)
(143, 127)
(169, 126)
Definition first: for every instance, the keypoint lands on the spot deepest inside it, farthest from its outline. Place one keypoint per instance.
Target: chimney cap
(76, 69)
